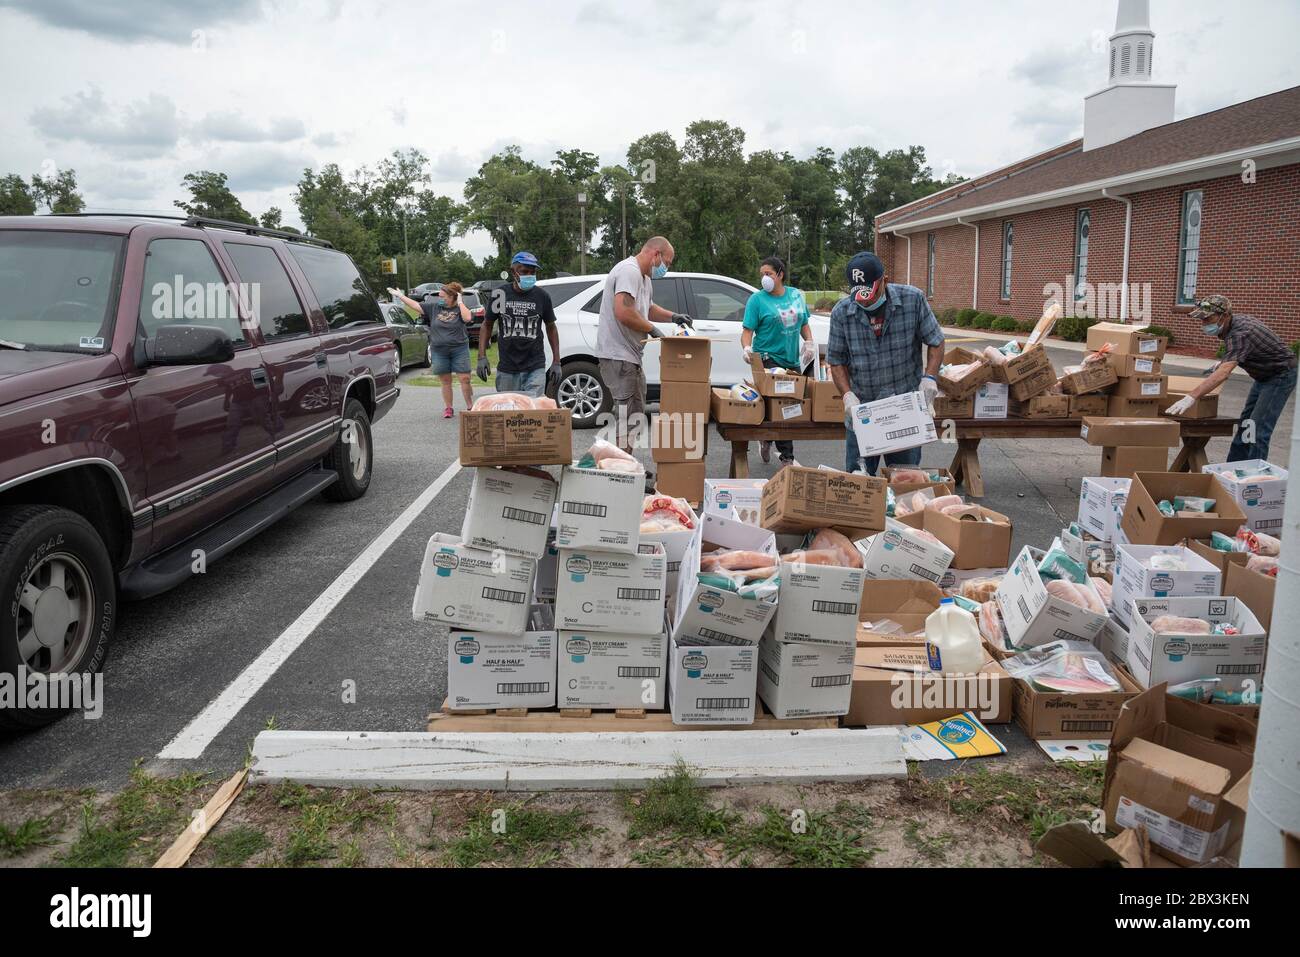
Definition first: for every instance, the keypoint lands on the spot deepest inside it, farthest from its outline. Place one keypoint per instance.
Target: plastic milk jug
(952, 640)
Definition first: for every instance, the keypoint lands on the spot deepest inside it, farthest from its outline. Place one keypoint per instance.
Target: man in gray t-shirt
(627, 317)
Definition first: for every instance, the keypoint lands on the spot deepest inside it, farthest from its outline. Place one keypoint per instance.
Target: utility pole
(582, 214)
(622, 192)
(407, 247)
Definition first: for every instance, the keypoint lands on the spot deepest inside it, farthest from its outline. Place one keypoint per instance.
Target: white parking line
(198, 734)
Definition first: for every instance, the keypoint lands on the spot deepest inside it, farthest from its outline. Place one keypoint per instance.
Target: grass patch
(933, 849)
(34, 832)
(675, 806)
(516, 834)
(234, 847)
(324, 815)
(835, 838)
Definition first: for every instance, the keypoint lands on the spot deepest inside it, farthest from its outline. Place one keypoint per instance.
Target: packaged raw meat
(813, 556)
(660, 513)
(960, 509)
(1175, 625)
(1102, 588)
(995, 356)
(942, 502)
(979, 589)
(1264, 564)
(504, 401)
(1075, 594)
(908, 477)
(608, 456)
(734, 560)
(828, 538)
(1074, 667)
(991, 627)
(913, 502)
(1257, 543)
(544, 402)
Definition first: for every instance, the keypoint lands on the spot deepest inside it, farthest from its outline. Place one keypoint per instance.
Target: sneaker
(765, 451)
(448, 412)
(785, 462)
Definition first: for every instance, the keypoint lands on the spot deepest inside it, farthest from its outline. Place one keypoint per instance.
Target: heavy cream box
(902, 552)
(1101, 506)
(709, 615)
(817, 604)
(892, 424)
(715, 684)
(1259, 487)
(600, 509)
(472, 588)
(609, 670)
(1135, 578)
(1175, 656)
(1033, 616)
(509, 510)
(739, 499)
(606, 591)
(490, 670)
(804, 681)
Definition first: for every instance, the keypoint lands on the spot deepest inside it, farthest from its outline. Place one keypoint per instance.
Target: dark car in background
(410, 334)
(169, 388)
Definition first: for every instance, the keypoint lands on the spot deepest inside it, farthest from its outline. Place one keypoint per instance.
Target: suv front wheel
(584, 394)
(58, 607)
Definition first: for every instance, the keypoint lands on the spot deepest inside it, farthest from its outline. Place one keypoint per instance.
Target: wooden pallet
(585, 719)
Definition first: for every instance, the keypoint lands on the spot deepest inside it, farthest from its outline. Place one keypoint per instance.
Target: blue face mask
(527, 282)
(1210, 329)
(659, 271)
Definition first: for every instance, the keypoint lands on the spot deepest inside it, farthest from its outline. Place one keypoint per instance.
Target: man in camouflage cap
(1249, 343)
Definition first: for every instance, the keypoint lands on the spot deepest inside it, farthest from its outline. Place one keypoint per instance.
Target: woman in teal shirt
(776, 330)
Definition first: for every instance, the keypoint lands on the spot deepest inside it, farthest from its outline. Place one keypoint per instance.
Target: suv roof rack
(205, 221)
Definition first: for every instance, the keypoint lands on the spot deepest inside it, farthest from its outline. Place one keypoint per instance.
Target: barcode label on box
(783, 386)
(726, 639)
(929, 574)
(721, 703)
(584, 508)
(831, 681)
(504, 594)
(792, 411)
(1087, 725)
(523, 515)
(1024, 608)
(902, 433)
(1151, 388)
(524, 687)
(767, 670)
(639, 594)
(1143, 365)
(835, 607)
(638, 671)
(1148, 345)
(1237, 670)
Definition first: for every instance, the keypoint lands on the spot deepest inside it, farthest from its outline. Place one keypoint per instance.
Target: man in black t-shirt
(521, 313)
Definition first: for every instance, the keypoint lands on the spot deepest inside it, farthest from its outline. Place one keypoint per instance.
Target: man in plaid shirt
(874, 350)
(1255, 347)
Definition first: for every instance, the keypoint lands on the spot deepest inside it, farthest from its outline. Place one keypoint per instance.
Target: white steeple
(1130, 103)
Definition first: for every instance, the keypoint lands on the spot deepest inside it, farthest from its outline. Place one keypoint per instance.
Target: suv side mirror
(182, 345)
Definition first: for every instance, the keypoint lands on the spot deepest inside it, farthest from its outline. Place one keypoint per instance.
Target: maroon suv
(168, 389)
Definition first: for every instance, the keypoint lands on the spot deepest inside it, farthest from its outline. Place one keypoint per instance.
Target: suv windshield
(57, 288)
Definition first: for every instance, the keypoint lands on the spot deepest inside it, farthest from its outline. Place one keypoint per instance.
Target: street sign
(388, 267)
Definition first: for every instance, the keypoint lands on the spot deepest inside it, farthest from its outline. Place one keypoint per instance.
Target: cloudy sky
(132, 95)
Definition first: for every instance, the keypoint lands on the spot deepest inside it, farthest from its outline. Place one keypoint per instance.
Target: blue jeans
(530, 383)
(1265, 403)
(851, 457)
(447, 359)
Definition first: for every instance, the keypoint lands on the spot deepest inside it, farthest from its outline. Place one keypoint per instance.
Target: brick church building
(1133, 221)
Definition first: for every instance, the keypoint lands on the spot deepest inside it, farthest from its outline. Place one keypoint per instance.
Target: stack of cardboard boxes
(1135, 355)
(680, 429)
(1130, 445)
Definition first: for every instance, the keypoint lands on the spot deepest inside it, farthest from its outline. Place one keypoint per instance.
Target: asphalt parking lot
(309, 625)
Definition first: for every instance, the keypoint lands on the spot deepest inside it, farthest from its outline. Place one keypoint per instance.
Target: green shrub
(1071, 329)
(1295, 347)
(961, 320)
(984, 320)
(966, 315)
(947, 317)
(1004, 324)
(1025, 327)
(1162, 331)
(1222, 351)
(825, 304)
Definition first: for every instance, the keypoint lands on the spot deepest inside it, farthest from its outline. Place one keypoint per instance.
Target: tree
(58, 193)
(210, 196)
(271, 218)
(16, 197)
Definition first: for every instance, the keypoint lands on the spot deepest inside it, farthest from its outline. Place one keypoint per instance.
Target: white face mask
(768, 283)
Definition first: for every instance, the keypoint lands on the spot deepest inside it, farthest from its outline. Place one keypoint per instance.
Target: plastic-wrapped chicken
(505, 401)
(1075, 594)
(1264, 564)
(990, 622)
(942, 502)
(661, 513)
(1257, 543)
(828, 538)
(749, 573)
(908, 477)
(1177, 625)
(608, 456)
(813, 556)
(979, 589)
(912, 502)
(1103, 590)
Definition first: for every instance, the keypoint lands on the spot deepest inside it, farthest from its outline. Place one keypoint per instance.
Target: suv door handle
(320, 360)
(259, 378)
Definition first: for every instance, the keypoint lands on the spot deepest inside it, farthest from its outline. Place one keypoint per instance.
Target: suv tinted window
(274, 302)
(182, 284)
(342, 293)
(718, 301)
(564, 291)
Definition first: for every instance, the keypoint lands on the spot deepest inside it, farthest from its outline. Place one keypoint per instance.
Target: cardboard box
(1101, 505)
(679, 437)
(968, 384)
(676, 543)
(787, 411)
(608, 591)
(547, 565)
(1125, 460)
(1126, 340)
(817, 604)
(681, 480)
(1035, 383)
(992, 401)
(1057, 716)
(1206, 407)
(712, 685)
(893, 686)
(776, 383)
(705, 615)
(600, 509)
(1121, 407)
(1131, 365)
(1033, 616)
(738, 499)
(1172, 767)
(686, 398)
(893, 424)
(1092, 404)
(1257, 590)
(899, 552)
(946, 408)
(684, 359)
(954, 577)
(827, 401)
(1140, 387)
(1220, 560)
(800, 499)
(1143, 523)
(491, 670)
(1029, 363)
(609, 670)
(500, 437)
(974, 543)
(1112, 641)
(1045, 406)
(723, 408)
(1093, 377)
(510, 511)
(908, 603)
(1134, 579)
(1263, 502)
(944, 486)
(470, 588)
(804, 681)
(1107, 431)
(1173, 658)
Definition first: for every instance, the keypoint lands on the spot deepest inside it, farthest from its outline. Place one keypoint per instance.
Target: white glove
(747, 354)
(851, 402)
(929, 390)
(1181, 406)
(807, 349)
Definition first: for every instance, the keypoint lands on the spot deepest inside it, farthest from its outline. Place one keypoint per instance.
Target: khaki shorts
(626, 384)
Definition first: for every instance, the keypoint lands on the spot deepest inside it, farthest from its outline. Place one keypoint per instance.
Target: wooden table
(968, 433)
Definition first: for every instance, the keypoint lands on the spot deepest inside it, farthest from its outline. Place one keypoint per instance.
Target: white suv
(716, 303)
